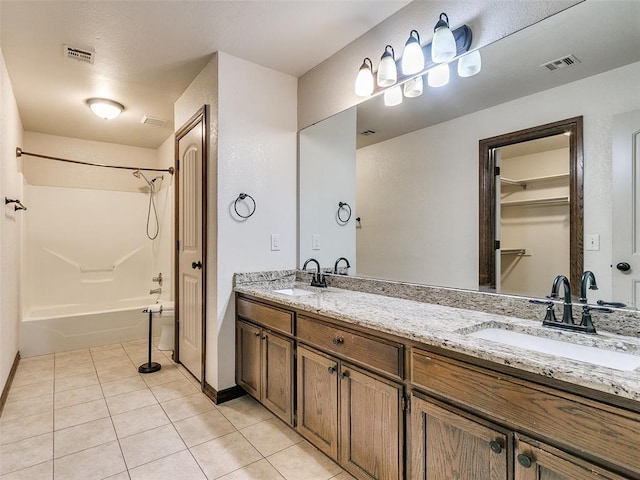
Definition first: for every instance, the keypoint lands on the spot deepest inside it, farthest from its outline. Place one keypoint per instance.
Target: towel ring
(244, 196)
(347, 208)
(18, 203)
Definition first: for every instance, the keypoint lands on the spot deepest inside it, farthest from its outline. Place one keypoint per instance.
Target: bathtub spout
(155, 291)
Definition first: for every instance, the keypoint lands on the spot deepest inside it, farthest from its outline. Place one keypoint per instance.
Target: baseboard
(7, 386)
(222, 396)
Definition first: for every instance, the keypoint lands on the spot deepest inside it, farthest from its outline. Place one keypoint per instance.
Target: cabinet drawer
(274, 318)
(573, 423)
(378, 354)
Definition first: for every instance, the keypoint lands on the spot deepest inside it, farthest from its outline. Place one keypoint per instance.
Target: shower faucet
(158, 279)
(155, 291)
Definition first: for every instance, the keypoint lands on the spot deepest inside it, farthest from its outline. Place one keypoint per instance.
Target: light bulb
(364, 80)
(387, 71)
(443, 45)
(413, 88)
(393, 96)
(412, 57)
(439, 76)
(470, 64)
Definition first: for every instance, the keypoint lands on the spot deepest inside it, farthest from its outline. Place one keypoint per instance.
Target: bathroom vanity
(393, 388)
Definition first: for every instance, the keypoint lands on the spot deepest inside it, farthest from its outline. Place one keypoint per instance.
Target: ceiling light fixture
(105, 108)
(387, 71)
(364, 80)
(443, 45)
(412, 57)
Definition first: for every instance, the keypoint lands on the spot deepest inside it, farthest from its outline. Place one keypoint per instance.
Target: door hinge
(496, 244)
(177, 245)
(496, 171)
(177, 164)
(406, 403)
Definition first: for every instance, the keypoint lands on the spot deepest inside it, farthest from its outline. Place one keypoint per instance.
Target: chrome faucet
(317, 280)
(587, 278)
(335, 267)
(157, 279)
(567, 312)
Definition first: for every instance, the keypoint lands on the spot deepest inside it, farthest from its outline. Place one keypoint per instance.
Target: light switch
(592, 242)
(315, 241)
(275, 242)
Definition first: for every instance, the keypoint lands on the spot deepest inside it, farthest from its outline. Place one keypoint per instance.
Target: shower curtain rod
(20, 152)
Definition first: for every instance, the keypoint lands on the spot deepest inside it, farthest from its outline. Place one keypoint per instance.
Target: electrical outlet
(275, 242)
(315, 241)
(592, 242)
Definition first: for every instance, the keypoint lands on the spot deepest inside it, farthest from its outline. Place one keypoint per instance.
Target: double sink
(604, 351)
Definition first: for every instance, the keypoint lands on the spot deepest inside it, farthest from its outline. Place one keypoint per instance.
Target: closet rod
(19, 153)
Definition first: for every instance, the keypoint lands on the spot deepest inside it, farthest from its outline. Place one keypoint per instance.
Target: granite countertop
(449, 328)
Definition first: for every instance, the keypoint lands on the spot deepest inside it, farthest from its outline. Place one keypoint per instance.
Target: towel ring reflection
(18, 204)
(244, 196)
(344, 206)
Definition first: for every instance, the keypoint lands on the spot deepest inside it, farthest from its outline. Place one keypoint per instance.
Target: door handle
(196, 265)
(623, 267)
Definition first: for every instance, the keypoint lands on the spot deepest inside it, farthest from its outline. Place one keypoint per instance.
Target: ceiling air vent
(79, 54)
(154, 122)
(366, 133)
(562, 62)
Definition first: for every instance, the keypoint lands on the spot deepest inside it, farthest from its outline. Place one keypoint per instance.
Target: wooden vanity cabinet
(264, 358)
(446, 445)
(350, 414)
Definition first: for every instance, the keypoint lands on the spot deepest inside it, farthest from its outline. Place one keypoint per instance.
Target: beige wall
(11, 185)
(327, 88)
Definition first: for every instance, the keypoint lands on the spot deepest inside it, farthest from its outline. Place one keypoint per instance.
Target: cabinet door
(370, 418)
(277, 371)
(445, 446)
(536, 463)
(318, 400)
(248, 339)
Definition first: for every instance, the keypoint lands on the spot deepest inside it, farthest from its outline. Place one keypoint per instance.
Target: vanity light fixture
(387, 71)
(105, 108)
(364, 80)
(413, 88)
(393, 96)
(469, 64)
(412, 57)
(438, 76)
(443, 45)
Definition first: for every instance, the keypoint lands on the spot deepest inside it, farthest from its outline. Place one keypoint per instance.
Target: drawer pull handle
(524, 460)
(343, 375)
(495, 447)
(331, 370)
(338, 340)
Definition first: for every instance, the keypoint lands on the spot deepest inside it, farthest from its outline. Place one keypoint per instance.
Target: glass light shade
(412, 57)
(439, 76)
(413, 88)
(470, 64)
(393, 96)
(104, 108)
(364, 80)
(443, 45)
(387, 71)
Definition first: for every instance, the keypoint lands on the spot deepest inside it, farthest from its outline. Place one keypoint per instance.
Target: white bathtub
(69, 327)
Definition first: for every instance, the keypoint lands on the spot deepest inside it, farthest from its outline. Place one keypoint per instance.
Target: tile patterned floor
(88, 414)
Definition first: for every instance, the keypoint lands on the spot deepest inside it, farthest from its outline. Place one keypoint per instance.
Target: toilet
(167, 323)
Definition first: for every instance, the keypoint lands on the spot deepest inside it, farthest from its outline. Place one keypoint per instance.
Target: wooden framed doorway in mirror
(489, 192)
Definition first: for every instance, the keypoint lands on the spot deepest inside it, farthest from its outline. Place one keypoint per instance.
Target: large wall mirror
(410, 172)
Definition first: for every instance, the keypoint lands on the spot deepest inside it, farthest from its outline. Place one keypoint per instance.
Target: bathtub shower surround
(89, 266)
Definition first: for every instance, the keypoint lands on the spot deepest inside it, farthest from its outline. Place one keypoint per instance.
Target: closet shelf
(513, 251)
(537, 202)
(523, 182)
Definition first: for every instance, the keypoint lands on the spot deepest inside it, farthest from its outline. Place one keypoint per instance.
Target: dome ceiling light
(105, 108)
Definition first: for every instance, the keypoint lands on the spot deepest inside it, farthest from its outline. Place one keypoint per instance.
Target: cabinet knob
(495, 446)
(331, 370)
(524, 460)
(343, 375)
(338, 340)
(257, 334)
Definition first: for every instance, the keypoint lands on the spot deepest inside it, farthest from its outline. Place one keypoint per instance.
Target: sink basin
(294, 292)
(583, 353)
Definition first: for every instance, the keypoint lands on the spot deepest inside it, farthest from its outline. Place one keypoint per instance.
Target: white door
(626, 208)
(190, 267)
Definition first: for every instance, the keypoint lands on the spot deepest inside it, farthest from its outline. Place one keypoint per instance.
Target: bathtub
(61, 328)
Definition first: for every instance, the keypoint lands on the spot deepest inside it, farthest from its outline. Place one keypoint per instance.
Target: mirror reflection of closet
(534, 215)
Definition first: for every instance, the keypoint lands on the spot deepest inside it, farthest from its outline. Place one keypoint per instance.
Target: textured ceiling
(147, 53)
